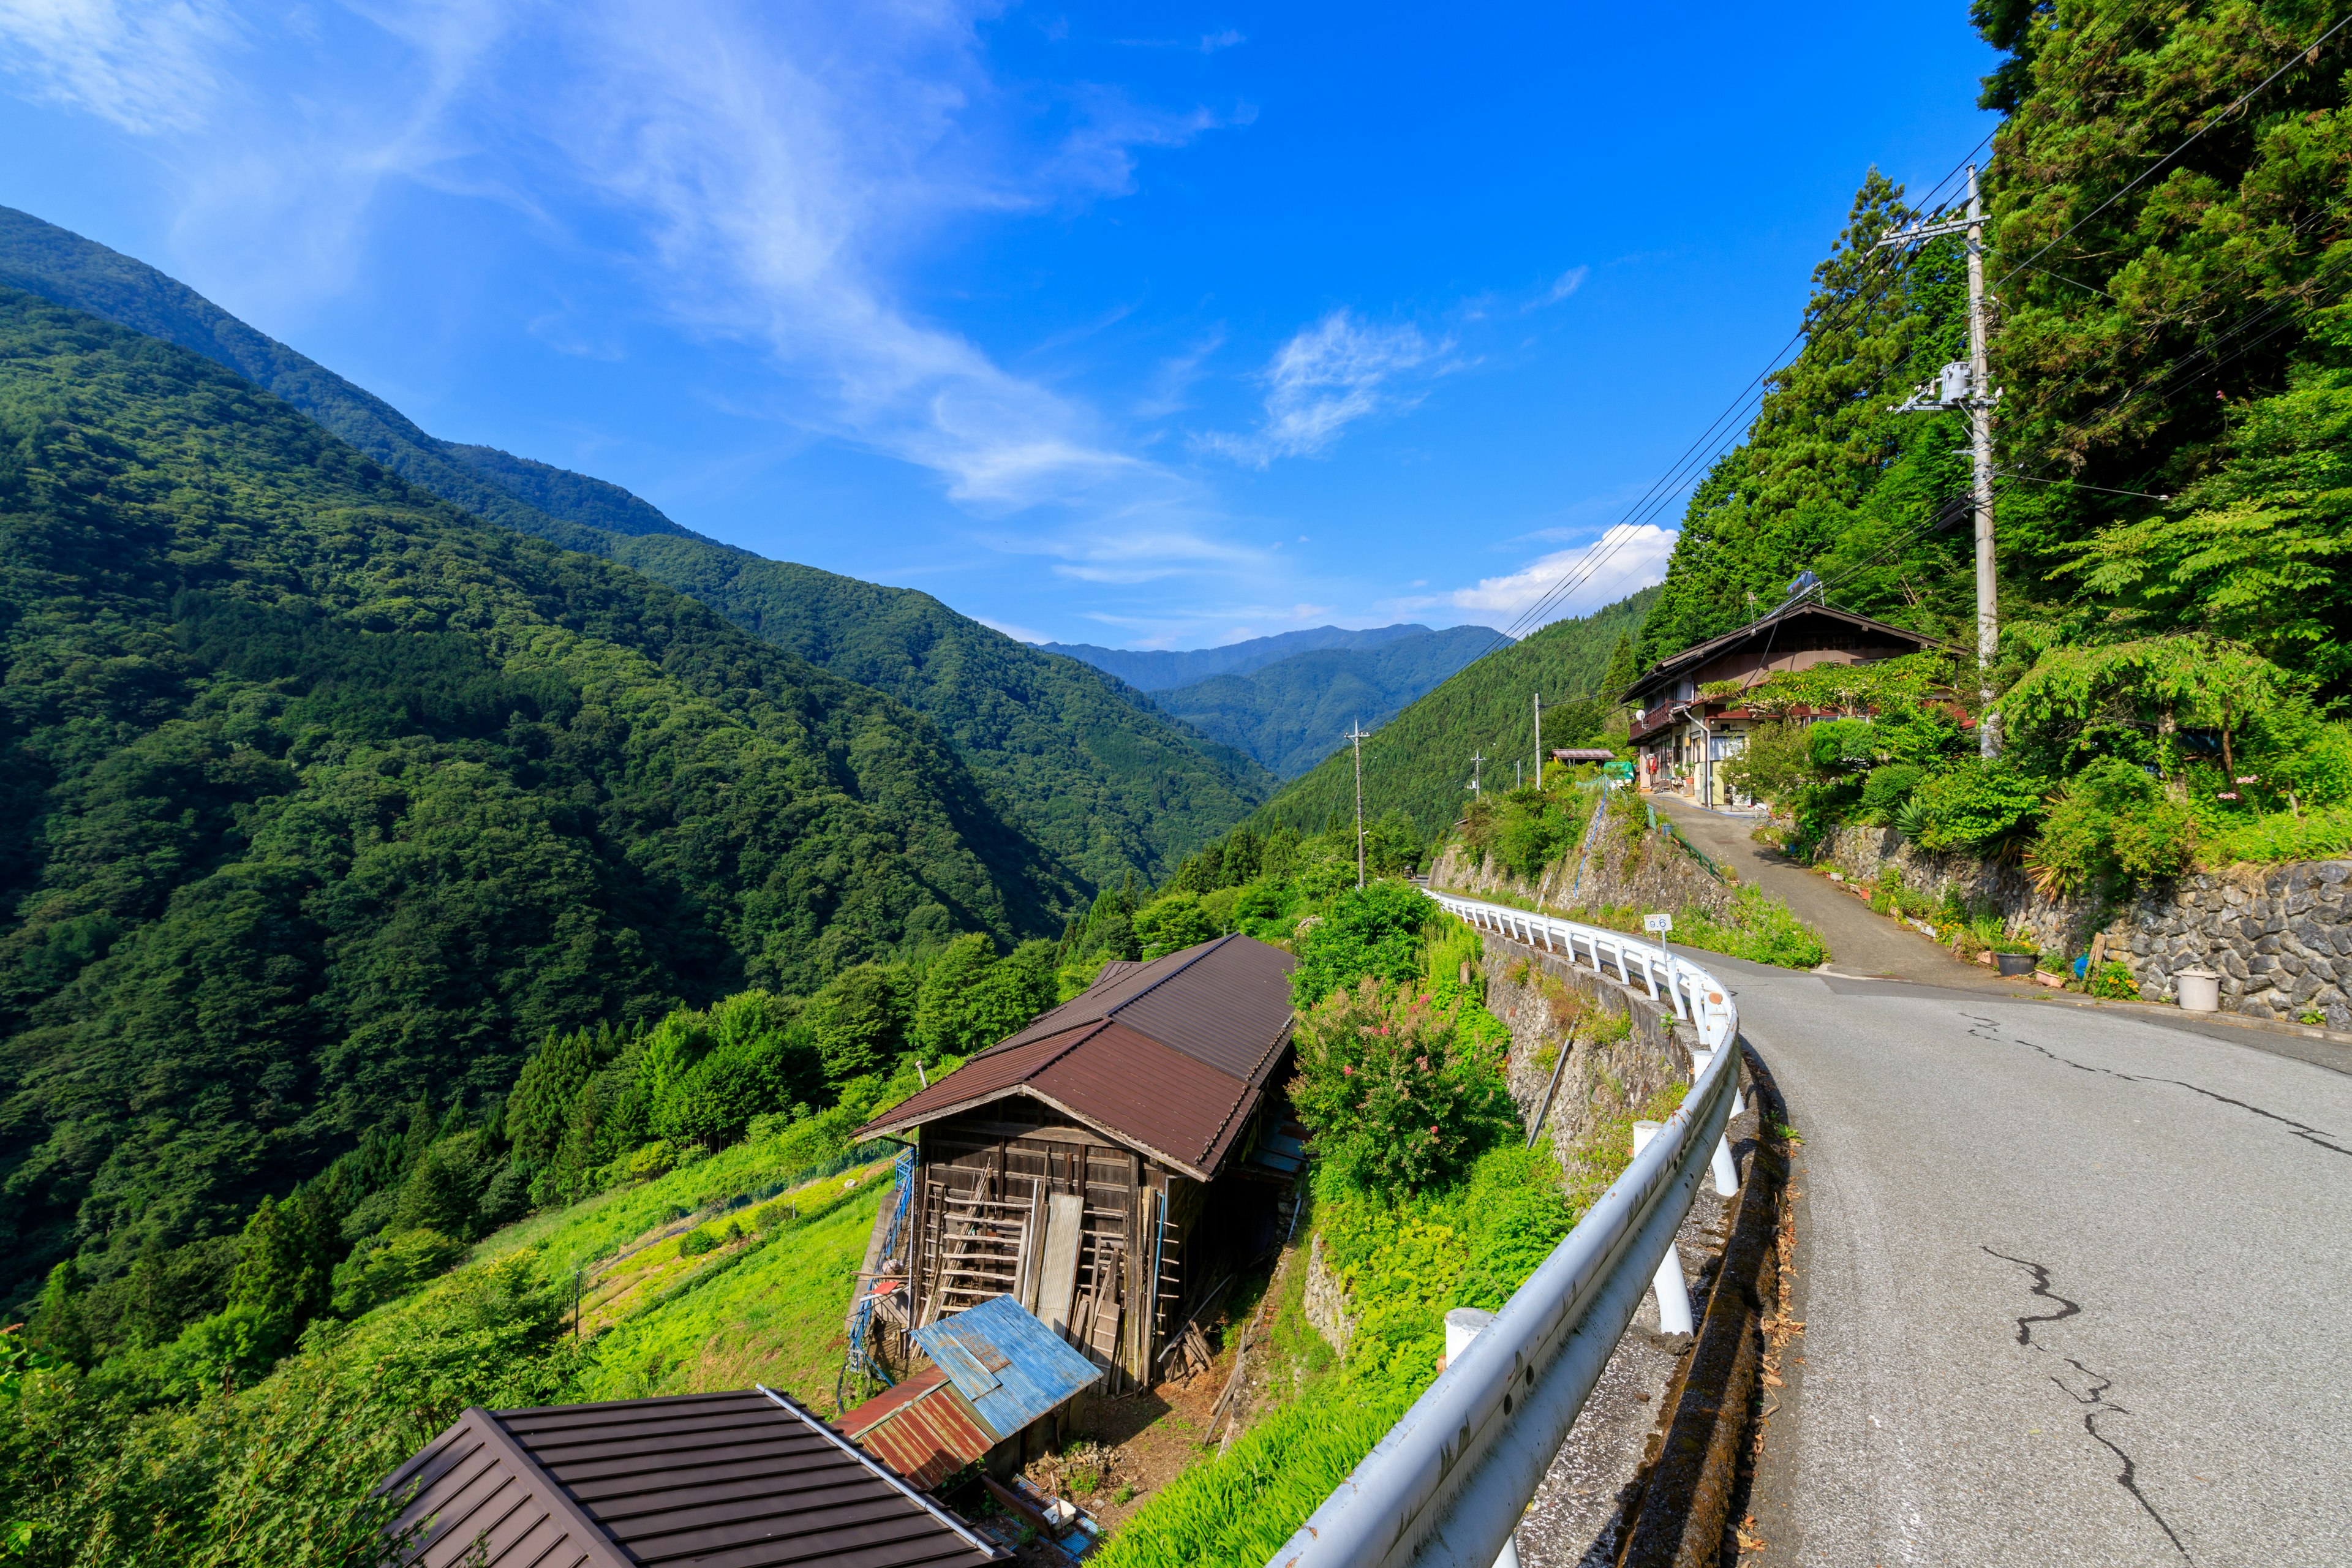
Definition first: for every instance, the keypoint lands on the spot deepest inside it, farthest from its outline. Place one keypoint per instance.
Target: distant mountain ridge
(1419, 761)
(1292, 713)
(1080, 761)
(1154, 669)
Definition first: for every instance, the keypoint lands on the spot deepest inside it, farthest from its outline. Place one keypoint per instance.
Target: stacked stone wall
(2279, 936)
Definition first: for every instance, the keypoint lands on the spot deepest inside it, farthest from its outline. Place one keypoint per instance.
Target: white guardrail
(1449, 1482)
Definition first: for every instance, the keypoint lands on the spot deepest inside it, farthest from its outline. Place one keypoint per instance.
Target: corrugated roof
(745, 1479)
(1169, 1057)
(1011, 1366)
(924, 1428)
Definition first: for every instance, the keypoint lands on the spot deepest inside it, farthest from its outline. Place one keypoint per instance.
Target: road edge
(1683, 1516)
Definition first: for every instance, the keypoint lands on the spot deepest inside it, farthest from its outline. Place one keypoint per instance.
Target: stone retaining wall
(2280, 936)
(1629, 867)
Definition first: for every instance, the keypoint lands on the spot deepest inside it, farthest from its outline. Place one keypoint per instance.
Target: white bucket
(2200, 990)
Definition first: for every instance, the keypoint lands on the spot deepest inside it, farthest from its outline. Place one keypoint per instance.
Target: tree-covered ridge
(1418, 763)
(1082, 762)
(318, 796)
(1291, 714)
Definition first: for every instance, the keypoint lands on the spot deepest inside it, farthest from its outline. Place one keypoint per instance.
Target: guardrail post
(1672, 1292)
(1464, 1324)
(1727, 1175)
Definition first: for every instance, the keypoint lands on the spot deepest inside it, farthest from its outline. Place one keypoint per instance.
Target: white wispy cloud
(147, 68)
(1626, 558)
(1325, 378)
(1567, 283)
(773, 172)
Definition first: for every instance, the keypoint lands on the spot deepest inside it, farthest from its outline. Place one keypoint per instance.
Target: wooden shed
(1114, 1161)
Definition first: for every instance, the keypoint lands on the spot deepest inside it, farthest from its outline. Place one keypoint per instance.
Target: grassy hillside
(1289, 715)
(320, 799)
(1419, 761)
(1084, 764)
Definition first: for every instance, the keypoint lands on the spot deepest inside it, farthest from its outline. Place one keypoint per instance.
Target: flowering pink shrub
(1401, 1092)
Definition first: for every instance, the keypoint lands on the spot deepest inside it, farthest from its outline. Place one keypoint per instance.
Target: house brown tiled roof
(745, 1479)
(1169, 1057)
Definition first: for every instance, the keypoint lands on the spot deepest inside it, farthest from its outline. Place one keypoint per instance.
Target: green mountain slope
(319, 798)
(1084, 763)
(1161, 669)
(1291, 714)
(1419, 761)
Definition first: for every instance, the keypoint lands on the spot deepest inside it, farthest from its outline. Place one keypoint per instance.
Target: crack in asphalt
(2129, 1479)
(2095, 1400)
(2040, 1287)
(2317, 1136)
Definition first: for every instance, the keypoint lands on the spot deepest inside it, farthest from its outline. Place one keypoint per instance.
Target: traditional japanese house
(1113, 1162)
(1682, 734)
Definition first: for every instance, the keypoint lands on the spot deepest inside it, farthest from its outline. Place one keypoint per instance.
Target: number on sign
(1658, 922)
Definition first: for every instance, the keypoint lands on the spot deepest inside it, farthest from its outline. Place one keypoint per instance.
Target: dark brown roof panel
(723, 1480)
(1168, 1058)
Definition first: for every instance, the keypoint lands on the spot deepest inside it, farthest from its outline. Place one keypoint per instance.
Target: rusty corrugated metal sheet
(925, 1428)
(729, 1481)
(1170, 1058)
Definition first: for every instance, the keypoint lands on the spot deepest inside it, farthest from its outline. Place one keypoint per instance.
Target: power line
(2194, 138)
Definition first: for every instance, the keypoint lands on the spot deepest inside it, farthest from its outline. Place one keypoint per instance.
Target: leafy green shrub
(695, 1243)
(1888, 789)
(1173, 923)
(392, 1266)
(1977, 806)
(1841, 745)
(2112, 821)
(1374, 931)
(1400, 1094)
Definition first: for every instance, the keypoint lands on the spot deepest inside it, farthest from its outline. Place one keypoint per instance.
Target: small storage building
(1112, 1161)
(999, 1388)
(745, 1479)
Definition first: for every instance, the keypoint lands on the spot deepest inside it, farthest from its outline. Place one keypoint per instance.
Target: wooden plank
(1064, 1223)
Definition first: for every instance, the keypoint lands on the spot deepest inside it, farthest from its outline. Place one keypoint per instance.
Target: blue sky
(1147, 325)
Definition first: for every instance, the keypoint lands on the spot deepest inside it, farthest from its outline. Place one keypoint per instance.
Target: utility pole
(1356, 735)
(1538, 740)
(1477, 761)
(1969, 387)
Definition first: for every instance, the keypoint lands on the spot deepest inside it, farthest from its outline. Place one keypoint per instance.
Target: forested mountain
(1418, 763)
(321, 799)
(1081, 761)
(1159, 669)
(1291, 714)
(2169, 343)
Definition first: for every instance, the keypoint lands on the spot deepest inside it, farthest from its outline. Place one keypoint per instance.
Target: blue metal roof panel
(1028, 1369)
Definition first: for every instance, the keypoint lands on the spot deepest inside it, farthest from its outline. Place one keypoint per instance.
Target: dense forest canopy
(1081, 761)
(319, 798)
(2168, 340)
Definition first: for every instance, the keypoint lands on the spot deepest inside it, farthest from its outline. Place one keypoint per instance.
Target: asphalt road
(2076, 1285)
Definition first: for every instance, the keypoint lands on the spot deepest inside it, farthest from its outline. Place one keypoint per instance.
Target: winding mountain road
(2077, 1283)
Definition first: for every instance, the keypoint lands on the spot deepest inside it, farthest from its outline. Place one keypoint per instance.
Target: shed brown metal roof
(744, 1480)
(1169, 1058)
